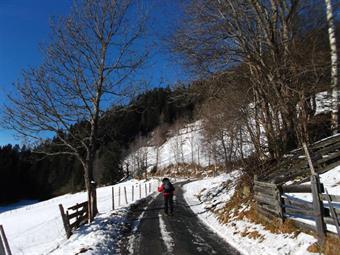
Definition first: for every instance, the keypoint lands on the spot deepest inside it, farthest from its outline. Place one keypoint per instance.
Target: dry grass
(273, 226)
(189, 170)
(314, 248)
(331, 246)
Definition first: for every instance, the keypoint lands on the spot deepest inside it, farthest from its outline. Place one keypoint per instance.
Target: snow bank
(267, 243)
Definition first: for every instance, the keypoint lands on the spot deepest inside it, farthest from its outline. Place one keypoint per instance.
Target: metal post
(146, 189)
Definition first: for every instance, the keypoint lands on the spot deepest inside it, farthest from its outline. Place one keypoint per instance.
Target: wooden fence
(4, 246)
(325, 156)
(274, 202)
(74, 217)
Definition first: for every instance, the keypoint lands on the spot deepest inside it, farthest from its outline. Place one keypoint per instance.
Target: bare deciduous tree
(270, 44)
(93, 53)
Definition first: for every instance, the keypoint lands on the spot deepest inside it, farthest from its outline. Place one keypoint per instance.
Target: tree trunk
(334, 90)
(90, 186)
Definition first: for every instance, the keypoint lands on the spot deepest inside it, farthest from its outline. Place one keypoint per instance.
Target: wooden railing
(274, 202)
(4, 246)
(74, 217)
(325, 156)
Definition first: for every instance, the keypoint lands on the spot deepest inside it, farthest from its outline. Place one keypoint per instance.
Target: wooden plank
(262, 199)
(297, 203)
(74, 207)
(125, 196)
(80, 221)
(264, 190)
(299, 211)
(265, 195)
(66, 222)
(270, 208)
(333, 214)
(5, 241)
(331, 157)
(74, 225)
(328, 149)
(297, 188)
(2, 247)
(329, 220)
(119, 196)
(328, 167)
(334, 198)
(77, 213)
(321, 144)
(132, 193)
(326, 142)
(113, 198)
(265, 184)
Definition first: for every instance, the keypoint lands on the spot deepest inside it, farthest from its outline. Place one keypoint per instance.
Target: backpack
(168, 187)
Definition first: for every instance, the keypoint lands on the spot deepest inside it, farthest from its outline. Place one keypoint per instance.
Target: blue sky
(24, 25)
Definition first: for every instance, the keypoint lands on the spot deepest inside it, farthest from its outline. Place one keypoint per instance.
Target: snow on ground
(166, 237)
(207, 193)
(38, 228)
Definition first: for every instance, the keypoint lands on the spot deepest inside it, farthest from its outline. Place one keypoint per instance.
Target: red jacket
(161, 189)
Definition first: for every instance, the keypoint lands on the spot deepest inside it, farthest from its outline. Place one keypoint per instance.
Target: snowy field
(267, 244)
(38, 228)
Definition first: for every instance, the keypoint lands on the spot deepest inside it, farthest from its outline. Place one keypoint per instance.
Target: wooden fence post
(133, 193)
(4, 242)
(140, 191)
(278, 193)
(113, 198)
(125, 195)
(65, 221)
(119, 196)
(318, 208)
(2, 247)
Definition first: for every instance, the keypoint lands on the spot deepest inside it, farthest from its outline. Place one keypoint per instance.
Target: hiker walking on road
(168, 192)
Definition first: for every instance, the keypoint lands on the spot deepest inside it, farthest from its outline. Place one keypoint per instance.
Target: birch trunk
(334, 91)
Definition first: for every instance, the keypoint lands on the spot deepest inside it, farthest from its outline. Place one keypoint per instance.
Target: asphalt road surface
(150, 232)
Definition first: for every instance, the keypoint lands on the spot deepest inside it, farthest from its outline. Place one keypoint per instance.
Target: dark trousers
(168, 202)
